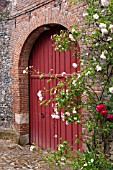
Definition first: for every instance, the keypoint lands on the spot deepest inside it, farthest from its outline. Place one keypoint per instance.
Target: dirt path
(16, 157)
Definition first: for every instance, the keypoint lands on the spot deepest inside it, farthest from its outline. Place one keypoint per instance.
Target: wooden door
(45, 131)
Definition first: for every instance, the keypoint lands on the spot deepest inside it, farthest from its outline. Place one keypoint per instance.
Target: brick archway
(21, 118)
(24, 34)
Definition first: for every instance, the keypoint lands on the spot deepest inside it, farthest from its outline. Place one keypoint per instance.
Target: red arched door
(45, 131)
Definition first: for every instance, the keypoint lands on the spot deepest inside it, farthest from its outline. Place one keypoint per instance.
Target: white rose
(87, 73)
(39, 94)
(95, 16)
(111, 89)
(63, 73)
(53, 116)
(24, 72)
(98, 68)
(74, 82)
(105, 2)
(85, 14)
(67, 113)
(63, 158)
(92, 160)
(57, 117)
(73, 30)
(104, 31)
(71, 37)
(74, 65)
(111, 28)
(55, 136)
(109, 39)
(32, 148)
(74, 110)
(102, 25)
(103, 56)
(85, 164)
(67, 122)
(75, 118)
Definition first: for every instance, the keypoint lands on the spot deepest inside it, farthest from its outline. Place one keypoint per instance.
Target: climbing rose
(104, 31)
(103, 112)
(109, 39)
(39, 94)
(40, 98)
(74, 65)
(63, 74)
(101, 108)
(24, 72)
(111, 28)
(103, 55)
(73, 30)
(95, 16)
(74, 82)
(63, 158)
(67, 113)
(105, 2)
(32, 148)
(109, 116)
(98, 68)
(54, 92)
(111, 89)
(71, 37)
(54, 116)
(60, 147)
(55, 136)
(74, 110)
(85, 164)
(85, 14)
(102, 25)
(92, 160)
(66, 122)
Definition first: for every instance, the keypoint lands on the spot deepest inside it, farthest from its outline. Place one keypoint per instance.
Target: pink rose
(109, 116)
(101, 108)
(103, 112)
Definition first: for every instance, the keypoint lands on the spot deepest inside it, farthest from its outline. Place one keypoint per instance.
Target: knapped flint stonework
(5, 64)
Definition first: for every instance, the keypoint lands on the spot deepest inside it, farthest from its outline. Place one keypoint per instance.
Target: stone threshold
(9, 134)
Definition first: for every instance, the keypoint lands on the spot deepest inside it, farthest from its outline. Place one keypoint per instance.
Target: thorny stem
(93, 92)
(108, 79)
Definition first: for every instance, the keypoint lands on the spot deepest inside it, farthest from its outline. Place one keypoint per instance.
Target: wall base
(24, 139)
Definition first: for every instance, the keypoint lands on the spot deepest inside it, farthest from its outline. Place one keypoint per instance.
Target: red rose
(101, 108)
(109, 116)
(103, 112)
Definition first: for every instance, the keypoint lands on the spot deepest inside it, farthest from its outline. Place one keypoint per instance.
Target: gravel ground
(16, 157)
